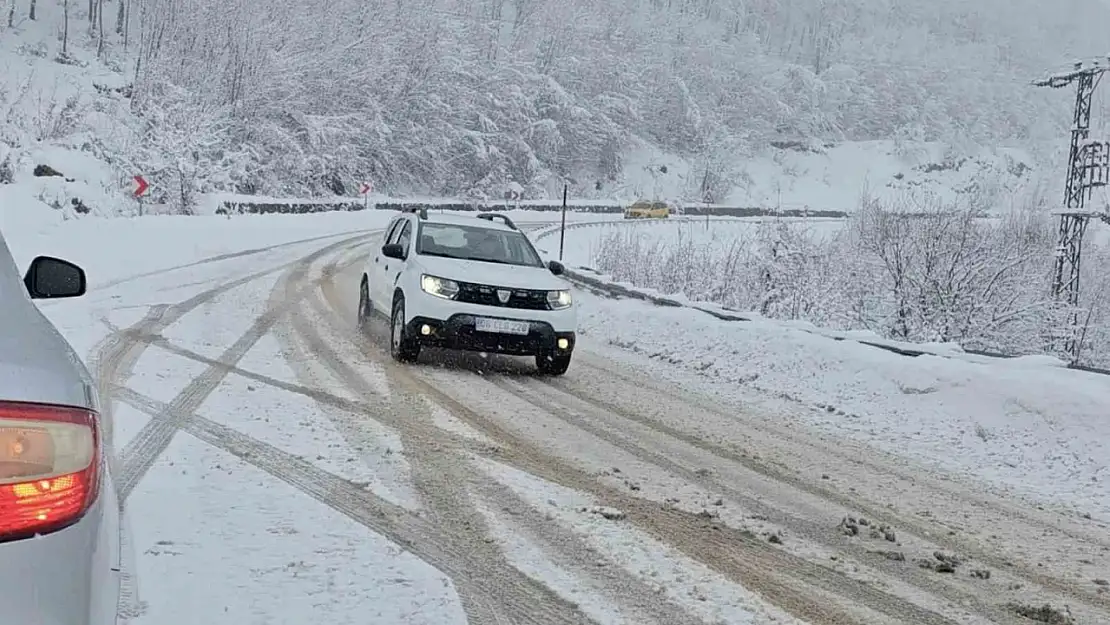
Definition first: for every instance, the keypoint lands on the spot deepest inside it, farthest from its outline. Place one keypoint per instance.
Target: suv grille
(486, 295)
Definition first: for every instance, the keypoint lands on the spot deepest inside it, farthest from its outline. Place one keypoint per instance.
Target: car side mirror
(393, 250)
(54, 278)
(556, 267)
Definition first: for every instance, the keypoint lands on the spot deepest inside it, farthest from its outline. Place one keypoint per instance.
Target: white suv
(461, 282)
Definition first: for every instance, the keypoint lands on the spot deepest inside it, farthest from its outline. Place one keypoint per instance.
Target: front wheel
(553, 364)
(402, 347)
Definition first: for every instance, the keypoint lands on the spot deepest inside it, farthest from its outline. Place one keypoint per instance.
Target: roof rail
(419, 210)
(503, 217)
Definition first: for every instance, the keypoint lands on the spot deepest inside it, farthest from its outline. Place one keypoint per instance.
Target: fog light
(563, 343)
(425, 329)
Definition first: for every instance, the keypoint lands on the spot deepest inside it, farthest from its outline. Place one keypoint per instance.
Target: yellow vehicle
(644, 209)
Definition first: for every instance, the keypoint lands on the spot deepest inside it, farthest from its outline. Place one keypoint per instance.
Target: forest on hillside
(463, 97)
(460, 97)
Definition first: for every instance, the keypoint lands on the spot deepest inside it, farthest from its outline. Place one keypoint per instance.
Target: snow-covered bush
(917, 272)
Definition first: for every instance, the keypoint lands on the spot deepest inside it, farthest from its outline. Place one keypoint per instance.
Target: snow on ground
(583, 244)
(55, 115)
(268, 357)
(1040, 431)
(302, 427)
(827, 176)
(127, 422)
(297, 426)
(1032, 428)
(1026, 425)
(833, 177)
(212, 538)
(444, 420)
(93, 242)
(153, 375)
(224, 543)
(697, 589)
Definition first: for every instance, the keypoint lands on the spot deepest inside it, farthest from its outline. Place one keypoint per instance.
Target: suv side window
(405, 236)
(394, 230)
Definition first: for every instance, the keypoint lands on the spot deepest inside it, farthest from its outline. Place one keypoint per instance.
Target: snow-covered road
(279, 468)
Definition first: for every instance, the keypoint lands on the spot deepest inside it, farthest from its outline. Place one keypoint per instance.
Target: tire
(402, 347)
(365, 306)
(553, 364)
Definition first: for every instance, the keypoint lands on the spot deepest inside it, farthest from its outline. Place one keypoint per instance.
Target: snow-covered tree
(454, 96)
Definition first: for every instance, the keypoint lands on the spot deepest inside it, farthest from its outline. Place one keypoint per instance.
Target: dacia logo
(503, 296)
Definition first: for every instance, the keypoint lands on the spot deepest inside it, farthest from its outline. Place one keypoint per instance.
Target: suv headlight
(440, 287)
(559, 300)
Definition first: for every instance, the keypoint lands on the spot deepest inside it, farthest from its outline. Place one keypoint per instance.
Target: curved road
(743, 494)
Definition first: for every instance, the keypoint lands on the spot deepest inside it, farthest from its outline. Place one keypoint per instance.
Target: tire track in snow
(153, 439)
(215, 259)
(571, 553)
(516, 596)
(114, 359)
(443, 489)
(606, 407)
(676, 455)
(1046, 521)
(567, 549)
(788, 581)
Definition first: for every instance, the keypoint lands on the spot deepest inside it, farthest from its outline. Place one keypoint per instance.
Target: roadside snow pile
(1037, 430)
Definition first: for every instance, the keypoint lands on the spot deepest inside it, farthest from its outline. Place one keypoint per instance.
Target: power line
(1088, 168)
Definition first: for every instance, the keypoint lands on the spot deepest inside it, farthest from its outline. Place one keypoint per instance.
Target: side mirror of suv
(393, 250)
(556, 267)
(54, 278)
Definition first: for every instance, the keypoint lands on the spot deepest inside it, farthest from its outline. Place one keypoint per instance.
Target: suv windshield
(477, 243)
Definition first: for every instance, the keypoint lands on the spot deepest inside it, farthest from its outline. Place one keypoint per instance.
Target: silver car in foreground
(59, 517)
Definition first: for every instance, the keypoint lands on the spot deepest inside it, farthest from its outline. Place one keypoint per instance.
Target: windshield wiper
(492, 260)
(442, 255)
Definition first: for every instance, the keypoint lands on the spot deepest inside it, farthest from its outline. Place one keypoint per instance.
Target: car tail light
(49, 467)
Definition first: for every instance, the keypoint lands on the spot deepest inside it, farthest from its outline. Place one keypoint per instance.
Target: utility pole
(1088, 167)
(563, 224)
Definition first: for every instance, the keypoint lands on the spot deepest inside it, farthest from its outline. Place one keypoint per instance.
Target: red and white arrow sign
(141, 185)
(365, 188)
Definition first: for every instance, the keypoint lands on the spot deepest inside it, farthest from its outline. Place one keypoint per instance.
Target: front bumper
(458, 332)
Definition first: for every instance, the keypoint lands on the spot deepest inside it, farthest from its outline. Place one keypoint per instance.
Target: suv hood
(492, 274)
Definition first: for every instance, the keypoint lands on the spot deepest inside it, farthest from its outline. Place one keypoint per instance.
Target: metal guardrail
(307, 207)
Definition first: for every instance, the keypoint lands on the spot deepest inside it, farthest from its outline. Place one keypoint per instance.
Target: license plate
(501, 326)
